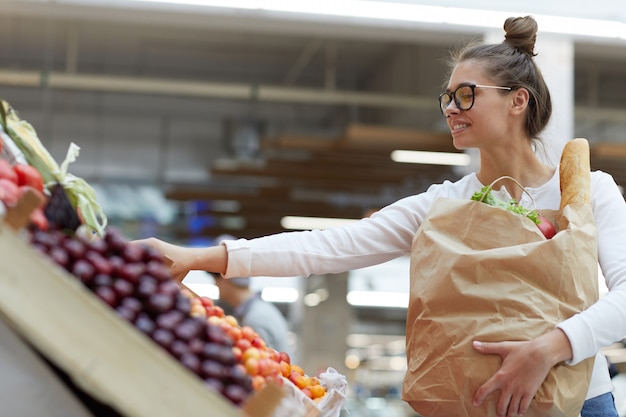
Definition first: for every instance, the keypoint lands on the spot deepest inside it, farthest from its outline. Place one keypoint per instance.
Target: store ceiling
(254, 118)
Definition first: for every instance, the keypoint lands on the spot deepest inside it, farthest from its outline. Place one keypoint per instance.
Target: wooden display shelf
(103, 354)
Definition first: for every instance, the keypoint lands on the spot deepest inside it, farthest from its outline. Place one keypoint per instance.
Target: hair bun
(521, 34)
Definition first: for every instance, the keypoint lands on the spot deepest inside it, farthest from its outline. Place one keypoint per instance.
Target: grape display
(258, 360)
(135, 282)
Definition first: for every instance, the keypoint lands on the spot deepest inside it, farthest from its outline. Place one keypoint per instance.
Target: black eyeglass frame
(452, 96)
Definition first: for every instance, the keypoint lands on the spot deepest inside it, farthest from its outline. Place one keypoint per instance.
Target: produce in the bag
(136, 283)
(546, 227)
(486, 196)
(80, 193)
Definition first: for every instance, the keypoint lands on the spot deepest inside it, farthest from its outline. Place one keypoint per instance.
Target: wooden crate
(103, 354)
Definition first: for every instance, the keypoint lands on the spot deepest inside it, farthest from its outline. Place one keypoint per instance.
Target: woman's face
(487, 120)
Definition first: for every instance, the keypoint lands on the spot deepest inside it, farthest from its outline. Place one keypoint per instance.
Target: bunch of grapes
(134, 281)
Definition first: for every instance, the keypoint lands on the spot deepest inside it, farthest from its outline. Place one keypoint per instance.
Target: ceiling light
(433, 158)
(397, 363)
(417, 13)
(204, 290)
(378, 299)
(352, 361)
(280, 295)
(310, 223)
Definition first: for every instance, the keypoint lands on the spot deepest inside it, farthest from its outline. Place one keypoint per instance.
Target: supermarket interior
(201, 119)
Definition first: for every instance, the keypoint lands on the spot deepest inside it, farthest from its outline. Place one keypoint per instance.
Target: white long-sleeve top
(388, 234)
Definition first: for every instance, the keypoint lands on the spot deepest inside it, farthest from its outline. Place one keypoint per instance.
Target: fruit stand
(101, 318)
(103, 354)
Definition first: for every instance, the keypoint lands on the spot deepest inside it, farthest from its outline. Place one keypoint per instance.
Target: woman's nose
(451, 108)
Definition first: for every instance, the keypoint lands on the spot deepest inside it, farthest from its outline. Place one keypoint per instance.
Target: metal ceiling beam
(241, 91)
(135, 85)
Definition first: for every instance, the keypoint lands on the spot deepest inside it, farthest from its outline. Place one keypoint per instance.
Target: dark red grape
(170, 319)
(150, 254)
(99, 262)
(126, 313)
(178, 348)
(216, 335)
(214, 384)
(131, 271)
(107, 295)
(146, 286)
(163, 337)
(49, 239)
(191, 362)
(145, 324)
(117, 262)
(236, 393)
(98, 245)
(169, 287)
(183, 303)
(212, 369)
(83, 270)
(158, 270)
(74, 248)
(160, 303)
(123, 288)
(188, 329)
(133, 303)
(196, 345)
(238, 375)
(133, 253)
(217, 352)
(59, 256)
(102, 280)
(115, 240)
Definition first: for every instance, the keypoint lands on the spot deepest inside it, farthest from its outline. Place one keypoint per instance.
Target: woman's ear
(521, 97)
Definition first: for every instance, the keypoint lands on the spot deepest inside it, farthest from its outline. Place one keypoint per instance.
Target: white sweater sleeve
(379, 238)
(385, 235)
(604, 322)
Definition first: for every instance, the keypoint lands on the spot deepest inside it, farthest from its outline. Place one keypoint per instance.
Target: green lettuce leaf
(486, 196)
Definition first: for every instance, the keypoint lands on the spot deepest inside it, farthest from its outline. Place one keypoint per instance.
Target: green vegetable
(487, 197)
(80, 193)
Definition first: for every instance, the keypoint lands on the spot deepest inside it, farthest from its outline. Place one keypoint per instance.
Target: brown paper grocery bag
(483, 273)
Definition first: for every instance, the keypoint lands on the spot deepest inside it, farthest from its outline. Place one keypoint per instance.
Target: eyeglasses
(463, 96)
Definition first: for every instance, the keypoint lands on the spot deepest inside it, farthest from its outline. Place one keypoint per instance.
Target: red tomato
(28, 175)
(546, 227)
(7, 171)
(11, 191)
(39, 219)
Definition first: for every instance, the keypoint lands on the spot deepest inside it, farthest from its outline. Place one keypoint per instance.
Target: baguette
(574, 172)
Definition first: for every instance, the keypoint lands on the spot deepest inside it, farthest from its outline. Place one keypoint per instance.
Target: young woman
(496, 101)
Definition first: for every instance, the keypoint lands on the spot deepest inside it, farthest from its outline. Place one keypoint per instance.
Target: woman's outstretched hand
(524, 367)
(181, 259)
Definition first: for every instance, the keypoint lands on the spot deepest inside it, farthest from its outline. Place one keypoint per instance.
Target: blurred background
(198, 118)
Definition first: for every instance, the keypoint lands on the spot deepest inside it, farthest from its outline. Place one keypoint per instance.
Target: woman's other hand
(525, 366)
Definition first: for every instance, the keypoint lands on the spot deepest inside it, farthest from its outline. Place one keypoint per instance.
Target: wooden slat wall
(343, 173)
